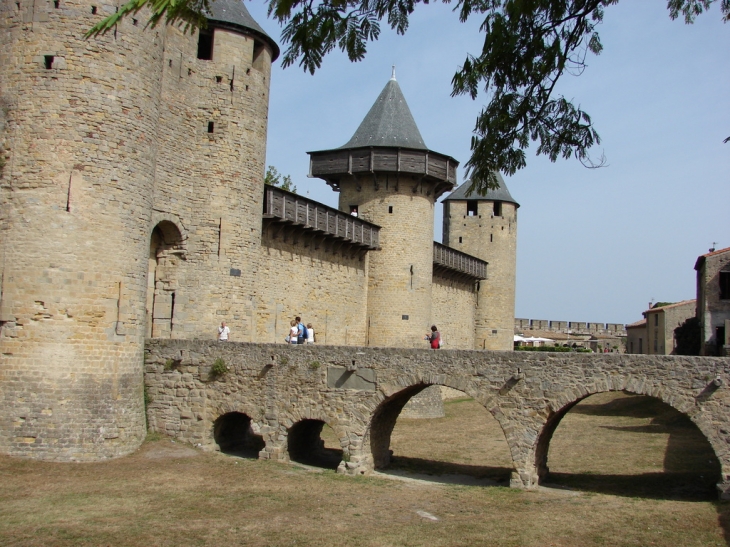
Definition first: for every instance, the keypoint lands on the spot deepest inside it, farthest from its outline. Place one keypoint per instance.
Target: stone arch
(635, 387)
(234, 434)
(167, 250)
(387, 410)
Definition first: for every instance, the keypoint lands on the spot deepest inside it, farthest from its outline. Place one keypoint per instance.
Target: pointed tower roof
(233, 13)
(497, 194)
(387, 142)
(388, 123)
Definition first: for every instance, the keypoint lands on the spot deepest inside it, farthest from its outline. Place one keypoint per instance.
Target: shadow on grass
(660, 486)
(458, 473)
(326, 458)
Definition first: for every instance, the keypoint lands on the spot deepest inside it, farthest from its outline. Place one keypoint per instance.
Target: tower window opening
(497, 208)
(48, 61)
(258, 58)
(93, 10)
(57, 4)
(211, 127)
(472, 208)
(491, 238)
(390, 209)
(459, 239)
(17, 4)
(134, 22)
(725, 285)
(169, 62)
(205, 45)
(218, 79)
(353, 210)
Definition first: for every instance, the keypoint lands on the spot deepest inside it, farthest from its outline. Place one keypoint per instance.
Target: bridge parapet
(359, 393)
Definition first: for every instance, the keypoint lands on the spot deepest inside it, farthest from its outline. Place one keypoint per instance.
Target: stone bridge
(290, 392)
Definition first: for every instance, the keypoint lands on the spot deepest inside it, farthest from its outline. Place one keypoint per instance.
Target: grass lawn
(624, 471)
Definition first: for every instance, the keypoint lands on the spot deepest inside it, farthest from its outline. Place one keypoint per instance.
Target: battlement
(569, 327)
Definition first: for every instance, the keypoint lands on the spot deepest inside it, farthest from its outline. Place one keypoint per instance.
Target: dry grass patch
(171, 494)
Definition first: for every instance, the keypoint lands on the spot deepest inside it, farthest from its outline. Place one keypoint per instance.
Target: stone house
(660, 324)
(713, 301)
(636, 337)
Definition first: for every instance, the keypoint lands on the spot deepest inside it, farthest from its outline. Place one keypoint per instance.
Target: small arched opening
(313, 442)
(166, 253)
(465, 444)
(626, 444)
(234, 434)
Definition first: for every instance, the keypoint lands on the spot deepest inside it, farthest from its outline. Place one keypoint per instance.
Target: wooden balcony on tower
(296, 214)
(450, 263)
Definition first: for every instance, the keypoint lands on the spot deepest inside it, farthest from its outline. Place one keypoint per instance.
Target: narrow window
(656, 320)
(390, 209)
(211, 127)
(48, 59)
(353, 210)
(459, 239)
(491, 238)
(258, 58)
(218, 79)
(57, 4)
(205, 45)
(471, 208)
(93, 10)
(497, 208)
(724, 285)
(169, 62)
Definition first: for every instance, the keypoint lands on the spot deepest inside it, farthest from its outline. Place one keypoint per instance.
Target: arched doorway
(625, 444)
(165, 255)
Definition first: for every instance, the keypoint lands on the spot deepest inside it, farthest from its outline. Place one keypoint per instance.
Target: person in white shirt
(223, 332)
(310, 333)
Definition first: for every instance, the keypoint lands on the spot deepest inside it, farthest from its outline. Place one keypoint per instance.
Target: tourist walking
(293, 337)
(434, 338)
(301, 331)
(223, 332)
(310, 333)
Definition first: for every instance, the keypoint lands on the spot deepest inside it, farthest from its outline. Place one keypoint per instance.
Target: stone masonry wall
(359, 393)
(210, 171)
(400, 272)
(76, 198)
(326, 289)
(453, 308)
(494, 239)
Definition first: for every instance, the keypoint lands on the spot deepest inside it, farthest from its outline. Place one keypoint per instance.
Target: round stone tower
(210, 173)
(386, 175)
(486, 227)
(93, 161)
(79, 137)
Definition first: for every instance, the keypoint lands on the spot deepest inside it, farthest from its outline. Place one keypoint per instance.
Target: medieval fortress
(133, 207)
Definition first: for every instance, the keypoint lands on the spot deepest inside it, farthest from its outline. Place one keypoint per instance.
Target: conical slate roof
(234, 13)
(498, 194)
(389, 123)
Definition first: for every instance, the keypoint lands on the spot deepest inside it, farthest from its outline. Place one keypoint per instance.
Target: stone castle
(133, 207)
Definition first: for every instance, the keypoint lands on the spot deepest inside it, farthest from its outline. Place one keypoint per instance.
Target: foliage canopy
(275, 179)
(528, 46)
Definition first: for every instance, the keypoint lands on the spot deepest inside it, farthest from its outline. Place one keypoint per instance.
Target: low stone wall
(360, 392)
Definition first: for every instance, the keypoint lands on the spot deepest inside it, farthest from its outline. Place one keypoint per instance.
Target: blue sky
(593, 245)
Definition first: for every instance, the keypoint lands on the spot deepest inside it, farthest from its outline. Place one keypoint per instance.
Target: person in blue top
(302, 335)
